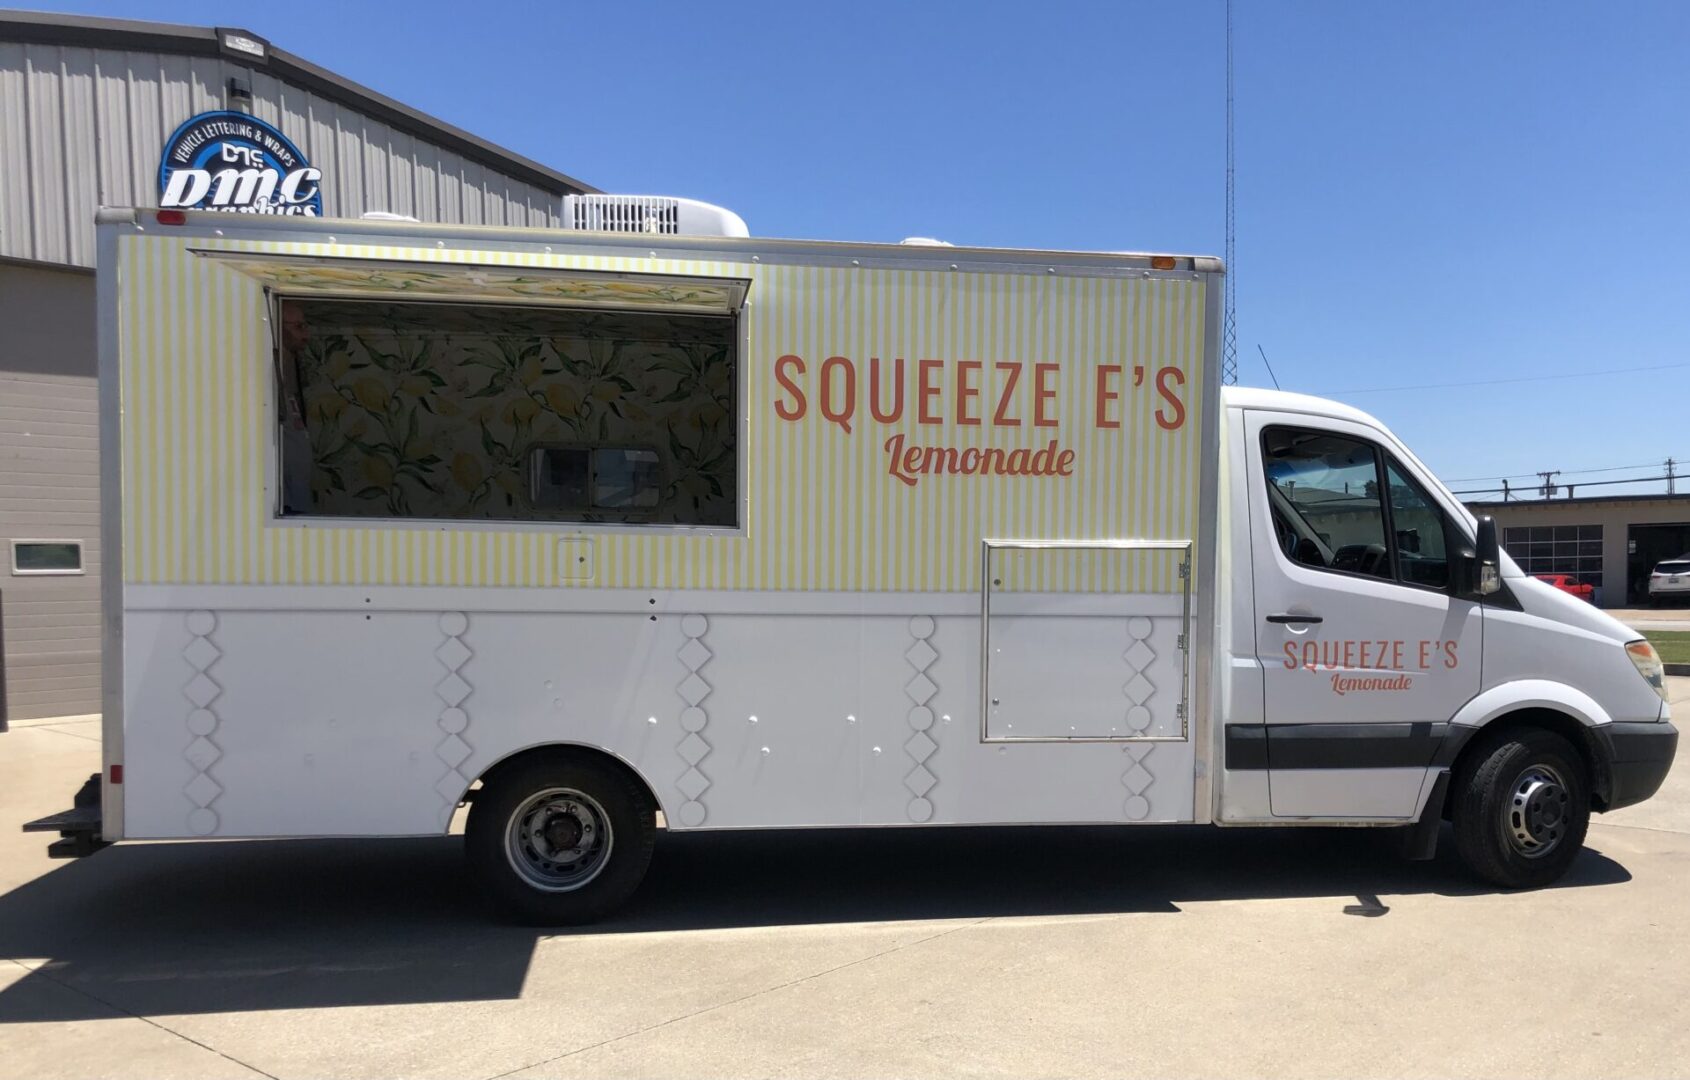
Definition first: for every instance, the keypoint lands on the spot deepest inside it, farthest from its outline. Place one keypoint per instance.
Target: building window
(474, 411)
(1557, 549)
(46, 557)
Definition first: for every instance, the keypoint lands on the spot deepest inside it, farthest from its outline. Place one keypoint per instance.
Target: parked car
(1671, 580)
(1567, 583)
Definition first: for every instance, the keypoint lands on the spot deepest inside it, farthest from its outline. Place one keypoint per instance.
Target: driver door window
(1327, 509)
(1422, 549)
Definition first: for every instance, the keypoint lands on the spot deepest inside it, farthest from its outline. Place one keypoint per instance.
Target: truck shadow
(252, 926)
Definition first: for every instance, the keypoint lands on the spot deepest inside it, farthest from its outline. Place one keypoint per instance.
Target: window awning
(401, 279)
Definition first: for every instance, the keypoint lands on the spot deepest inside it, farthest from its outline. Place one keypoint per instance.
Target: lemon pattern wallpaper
(431, 411)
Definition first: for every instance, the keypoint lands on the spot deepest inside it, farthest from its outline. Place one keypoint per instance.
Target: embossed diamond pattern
(692, 784)
(920, 747)
(453, 691)
(201, 690)
(450, 787)
(920, 781)
(202, 751)
(1138, 689)
(921, 655)
(202, 790)
(1137, 780)
(921, 689)
(693, 749)
(454, 653)
(693, 689)
(693, 654)
(1138, 657)
(201, 653)
(452, 750)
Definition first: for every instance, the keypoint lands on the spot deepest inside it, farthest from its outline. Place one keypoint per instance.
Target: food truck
(600, 531)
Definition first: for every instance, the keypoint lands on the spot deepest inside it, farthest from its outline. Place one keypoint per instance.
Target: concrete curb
(1677, 669)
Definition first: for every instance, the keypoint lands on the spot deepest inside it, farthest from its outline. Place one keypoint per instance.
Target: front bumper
(1638, 757)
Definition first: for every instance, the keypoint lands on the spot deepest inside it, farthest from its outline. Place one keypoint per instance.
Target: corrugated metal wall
(82, 128)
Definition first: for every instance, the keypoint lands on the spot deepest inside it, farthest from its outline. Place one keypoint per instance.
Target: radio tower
(1229, 332)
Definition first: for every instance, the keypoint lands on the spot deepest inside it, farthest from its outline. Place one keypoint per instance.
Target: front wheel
(1522, 805)
(560, 838)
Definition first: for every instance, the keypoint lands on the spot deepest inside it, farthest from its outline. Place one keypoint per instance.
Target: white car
(1671, 580)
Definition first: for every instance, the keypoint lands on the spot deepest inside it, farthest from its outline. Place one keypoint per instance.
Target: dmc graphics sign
(237, 163)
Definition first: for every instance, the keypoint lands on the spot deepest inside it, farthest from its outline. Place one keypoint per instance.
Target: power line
(1584, 483)
(1500, 382)
(1568, 472)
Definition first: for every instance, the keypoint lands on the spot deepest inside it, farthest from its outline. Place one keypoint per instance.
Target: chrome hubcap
(558, 839)
(1537, 811)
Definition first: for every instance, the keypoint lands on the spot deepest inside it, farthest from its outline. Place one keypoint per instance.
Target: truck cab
(1387, 661)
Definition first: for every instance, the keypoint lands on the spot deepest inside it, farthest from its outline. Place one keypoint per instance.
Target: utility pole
(1505, 492)
(1670, 464)
(1229, 302)
(1548, 489)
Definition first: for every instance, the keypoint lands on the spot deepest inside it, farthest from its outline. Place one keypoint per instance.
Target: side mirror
(1488, 558)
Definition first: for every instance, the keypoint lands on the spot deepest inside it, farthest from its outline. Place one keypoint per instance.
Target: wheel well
(576, 751)
(1540, 719)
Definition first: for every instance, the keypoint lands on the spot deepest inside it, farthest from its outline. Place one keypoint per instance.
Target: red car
(1567, 583)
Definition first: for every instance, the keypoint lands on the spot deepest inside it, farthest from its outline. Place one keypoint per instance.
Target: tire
(1521, 807)
(559, 839)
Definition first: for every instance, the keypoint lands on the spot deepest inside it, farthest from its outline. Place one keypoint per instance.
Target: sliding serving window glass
(460, 411)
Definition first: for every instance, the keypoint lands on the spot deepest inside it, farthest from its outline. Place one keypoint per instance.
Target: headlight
(1648, 664)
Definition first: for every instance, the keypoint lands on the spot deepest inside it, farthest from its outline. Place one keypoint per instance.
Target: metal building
(1609, 541)
(108, 112)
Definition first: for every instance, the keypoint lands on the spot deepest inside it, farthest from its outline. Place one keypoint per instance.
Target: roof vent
(654, 214)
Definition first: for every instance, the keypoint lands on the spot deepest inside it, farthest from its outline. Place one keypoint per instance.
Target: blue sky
(1427, 193)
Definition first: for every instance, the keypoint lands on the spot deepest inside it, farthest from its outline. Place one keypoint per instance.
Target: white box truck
(602, 531)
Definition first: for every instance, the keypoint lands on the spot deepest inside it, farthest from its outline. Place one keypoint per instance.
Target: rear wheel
(1522, 805)
(560, 838)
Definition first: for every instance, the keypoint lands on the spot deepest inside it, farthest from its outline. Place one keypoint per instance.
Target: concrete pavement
(996, 952)
(1645, 620)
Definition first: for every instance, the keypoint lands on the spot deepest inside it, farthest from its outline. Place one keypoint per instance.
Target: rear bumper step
(78, 828)
(80, 819)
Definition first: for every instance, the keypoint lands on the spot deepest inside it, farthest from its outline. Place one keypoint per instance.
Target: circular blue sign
(234, 162)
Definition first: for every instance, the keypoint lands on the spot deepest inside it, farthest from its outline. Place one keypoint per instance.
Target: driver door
(1366, 651)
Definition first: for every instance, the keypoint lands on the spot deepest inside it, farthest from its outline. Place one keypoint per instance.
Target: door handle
(1295, 619)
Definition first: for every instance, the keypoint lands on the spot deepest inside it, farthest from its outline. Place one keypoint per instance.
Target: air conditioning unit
(655, 214)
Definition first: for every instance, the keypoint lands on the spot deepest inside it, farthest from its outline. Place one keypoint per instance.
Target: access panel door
(1086, 640)
(1366, 651)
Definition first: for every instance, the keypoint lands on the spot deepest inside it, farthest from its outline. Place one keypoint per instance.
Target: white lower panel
(1346, 793)
(370, 715)
(1085, 676)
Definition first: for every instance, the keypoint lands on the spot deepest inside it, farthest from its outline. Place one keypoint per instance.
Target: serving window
(458, 411)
